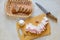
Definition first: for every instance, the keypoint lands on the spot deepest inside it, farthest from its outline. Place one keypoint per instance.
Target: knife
(48, 14)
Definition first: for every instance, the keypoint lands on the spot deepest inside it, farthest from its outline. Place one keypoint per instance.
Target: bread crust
(24, 12)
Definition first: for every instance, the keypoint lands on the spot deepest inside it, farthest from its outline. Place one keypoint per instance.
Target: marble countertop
(8, 24)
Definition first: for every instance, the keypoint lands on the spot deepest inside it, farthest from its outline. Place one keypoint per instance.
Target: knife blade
(49, 15)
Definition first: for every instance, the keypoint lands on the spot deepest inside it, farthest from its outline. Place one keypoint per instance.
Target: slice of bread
(32, 20)
(19, 8)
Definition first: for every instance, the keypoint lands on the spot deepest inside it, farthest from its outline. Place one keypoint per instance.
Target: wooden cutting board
(29, 35)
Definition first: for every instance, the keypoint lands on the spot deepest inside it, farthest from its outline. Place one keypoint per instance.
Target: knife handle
(51, 16)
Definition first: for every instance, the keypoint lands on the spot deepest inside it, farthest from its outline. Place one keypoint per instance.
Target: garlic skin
(21, 22)
(37, 29)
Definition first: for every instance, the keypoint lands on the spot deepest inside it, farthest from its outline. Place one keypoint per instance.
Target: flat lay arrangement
(32, 27)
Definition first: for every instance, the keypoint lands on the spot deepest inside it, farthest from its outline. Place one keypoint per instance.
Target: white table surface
(8, 24)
